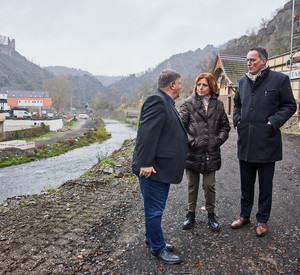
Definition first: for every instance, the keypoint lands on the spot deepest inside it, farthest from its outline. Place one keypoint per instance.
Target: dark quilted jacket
(208, 131)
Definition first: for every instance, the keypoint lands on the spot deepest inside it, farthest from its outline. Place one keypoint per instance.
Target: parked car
(50, 115)
(21, 114)
(83, 116)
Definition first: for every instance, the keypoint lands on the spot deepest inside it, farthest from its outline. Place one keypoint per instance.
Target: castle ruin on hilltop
(7, 46)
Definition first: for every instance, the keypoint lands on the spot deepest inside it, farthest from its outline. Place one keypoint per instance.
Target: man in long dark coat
(263, 102)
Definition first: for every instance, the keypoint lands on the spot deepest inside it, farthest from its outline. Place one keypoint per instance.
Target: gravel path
(230, 251)
(95, 225)
(80, 127)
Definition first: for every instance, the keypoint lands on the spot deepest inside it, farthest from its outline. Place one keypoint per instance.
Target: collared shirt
(170, 99)
(253, 77)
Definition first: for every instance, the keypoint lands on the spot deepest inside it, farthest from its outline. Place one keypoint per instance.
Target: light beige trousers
(209, 181)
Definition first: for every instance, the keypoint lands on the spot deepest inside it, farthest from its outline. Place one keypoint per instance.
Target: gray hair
(262, 53)
(166, 77)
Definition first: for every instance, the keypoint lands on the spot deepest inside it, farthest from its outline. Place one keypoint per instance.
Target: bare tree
(264, 23)
(60, 89)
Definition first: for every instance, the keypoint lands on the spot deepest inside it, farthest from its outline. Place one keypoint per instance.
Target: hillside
(87, 89)
(108, 80)
(16, 72)
(274, 35)
(62, 70)
(189, 64)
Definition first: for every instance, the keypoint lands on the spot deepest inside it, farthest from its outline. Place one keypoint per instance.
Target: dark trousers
(248, 172)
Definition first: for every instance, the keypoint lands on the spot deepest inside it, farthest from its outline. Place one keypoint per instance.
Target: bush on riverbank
(98, 134)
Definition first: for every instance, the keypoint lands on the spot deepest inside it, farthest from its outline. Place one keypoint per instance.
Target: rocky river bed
(94, 225)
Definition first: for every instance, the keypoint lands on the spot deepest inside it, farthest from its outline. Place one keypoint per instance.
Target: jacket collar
(170, 99)
(196, 99)
(172, 104)
(261, 73)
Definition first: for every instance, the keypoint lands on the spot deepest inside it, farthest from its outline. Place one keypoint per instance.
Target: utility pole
(292, 38)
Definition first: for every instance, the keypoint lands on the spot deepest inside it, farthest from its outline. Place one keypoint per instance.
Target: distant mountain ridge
(62, 70)
(108, 80)
(273, 35)
(17, 72)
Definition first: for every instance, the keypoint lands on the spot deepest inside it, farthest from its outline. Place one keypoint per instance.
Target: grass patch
(99, 134)
(53, 190)
(106, 162)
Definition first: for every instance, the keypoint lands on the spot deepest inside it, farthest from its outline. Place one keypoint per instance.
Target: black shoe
(189, 223)
(167, 257)
(212, 222)
(169, 246)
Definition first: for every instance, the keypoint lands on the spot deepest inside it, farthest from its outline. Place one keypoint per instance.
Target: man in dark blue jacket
(263, 102)
(159, 158)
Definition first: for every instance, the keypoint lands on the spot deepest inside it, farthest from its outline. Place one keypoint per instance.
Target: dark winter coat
(269, 98)
(161, 140)
(208, 131)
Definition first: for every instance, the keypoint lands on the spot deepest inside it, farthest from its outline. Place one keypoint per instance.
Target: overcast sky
(120, 37)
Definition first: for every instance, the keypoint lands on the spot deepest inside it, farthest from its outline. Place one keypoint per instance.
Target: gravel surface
(95, 225)
(80, 127)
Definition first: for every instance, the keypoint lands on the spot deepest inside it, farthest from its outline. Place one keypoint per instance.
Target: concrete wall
(20, 134)
(18, 124)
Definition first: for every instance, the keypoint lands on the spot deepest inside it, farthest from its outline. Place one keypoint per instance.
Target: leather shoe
(261, 229)
(167, 257)
(240, 222)
(190, 221)
(212, 222)
(169, 246)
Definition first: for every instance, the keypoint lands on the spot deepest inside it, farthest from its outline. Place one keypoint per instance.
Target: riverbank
(94, 225)
(55, 144)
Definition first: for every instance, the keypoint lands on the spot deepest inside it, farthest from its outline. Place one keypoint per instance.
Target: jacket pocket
(167, 155)
(271, 94)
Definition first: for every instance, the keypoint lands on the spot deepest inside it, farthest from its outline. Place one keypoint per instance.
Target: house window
(223, 81)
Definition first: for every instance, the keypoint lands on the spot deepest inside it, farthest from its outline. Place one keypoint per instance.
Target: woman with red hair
(207, 126)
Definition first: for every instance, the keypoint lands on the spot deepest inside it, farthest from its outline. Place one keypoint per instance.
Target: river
(33, 177)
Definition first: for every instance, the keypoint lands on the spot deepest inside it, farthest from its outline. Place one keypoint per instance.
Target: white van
(83, 116)
(21, 114)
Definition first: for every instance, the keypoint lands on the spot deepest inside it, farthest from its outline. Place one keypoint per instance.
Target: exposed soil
(95, 225)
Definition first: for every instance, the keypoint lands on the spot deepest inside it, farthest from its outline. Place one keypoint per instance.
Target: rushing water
(31, 178)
